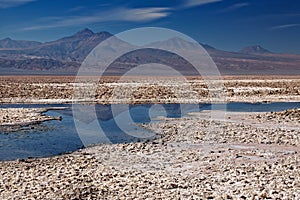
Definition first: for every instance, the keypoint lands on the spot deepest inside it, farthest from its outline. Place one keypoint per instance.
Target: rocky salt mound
(221, 173)
(11, 119)
(246, 161)
(287, 115)
(273, 128)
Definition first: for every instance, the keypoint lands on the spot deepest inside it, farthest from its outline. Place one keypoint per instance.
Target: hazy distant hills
(73, 48)
(65, 55)
(256, 49)
(8, 43)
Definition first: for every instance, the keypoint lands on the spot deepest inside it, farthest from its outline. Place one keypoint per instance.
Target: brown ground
(59, 89)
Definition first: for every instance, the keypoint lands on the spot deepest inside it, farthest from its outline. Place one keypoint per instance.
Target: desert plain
(241, 156)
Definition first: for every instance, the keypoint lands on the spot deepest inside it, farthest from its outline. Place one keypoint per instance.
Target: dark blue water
(58, 137)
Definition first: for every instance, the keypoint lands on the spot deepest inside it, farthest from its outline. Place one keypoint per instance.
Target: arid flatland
(245, 160)
(59, 89)
(241, 156)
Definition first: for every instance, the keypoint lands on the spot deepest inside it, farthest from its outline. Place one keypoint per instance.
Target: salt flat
(242, 161)
(48, 89)
(241, 156)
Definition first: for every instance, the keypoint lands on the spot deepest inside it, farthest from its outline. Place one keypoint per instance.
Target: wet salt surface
(57, 137)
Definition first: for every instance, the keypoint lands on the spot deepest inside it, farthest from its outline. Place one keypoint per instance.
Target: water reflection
(56, 137)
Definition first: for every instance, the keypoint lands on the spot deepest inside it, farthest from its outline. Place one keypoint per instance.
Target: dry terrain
(241, 156)
(12, 119)
(244, 161)
(59, 89)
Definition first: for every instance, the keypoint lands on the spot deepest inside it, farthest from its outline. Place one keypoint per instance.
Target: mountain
(8, 43)
(256, 49)
(65, 55)
(72, 48)
(207, 47)
(239, 63)
(176, 43)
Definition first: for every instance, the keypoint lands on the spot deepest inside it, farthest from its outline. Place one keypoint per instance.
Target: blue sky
(224, 24)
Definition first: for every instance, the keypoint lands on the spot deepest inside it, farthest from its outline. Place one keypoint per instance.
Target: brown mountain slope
(64, 56)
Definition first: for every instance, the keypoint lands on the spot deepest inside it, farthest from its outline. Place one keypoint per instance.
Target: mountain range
(65, 55)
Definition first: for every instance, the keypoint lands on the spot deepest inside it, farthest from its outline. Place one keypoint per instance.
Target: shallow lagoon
(58, 137)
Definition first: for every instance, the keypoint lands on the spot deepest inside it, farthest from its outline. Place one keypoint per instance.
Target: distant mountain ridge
(256, 49)
(8, 43)
(65, 55)
(71, 48)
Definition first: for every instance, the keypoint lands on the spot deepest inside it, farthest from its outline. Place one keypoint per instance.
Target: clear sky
(224, 24)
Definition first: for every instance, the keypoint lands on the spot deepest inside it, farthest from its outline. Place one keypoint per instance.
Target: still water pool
(57, 137)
